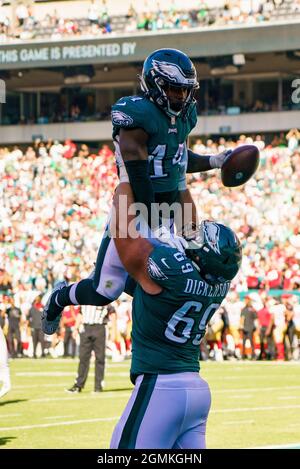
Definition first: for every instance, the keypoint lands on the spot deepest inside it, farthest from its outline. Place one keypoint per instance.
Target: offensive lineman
(176, 295)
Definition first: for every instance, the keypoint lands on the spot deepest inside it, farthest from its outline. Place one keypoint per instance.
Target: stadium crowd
(54, 201)
(99, 20)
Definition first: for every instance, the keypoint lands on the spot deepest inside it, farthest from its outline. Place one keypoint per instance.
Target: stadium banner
(197, 43)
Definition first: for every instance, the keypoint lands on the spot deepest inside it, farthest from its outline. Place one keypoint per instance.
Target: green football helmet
(215, 249)
(169, 68)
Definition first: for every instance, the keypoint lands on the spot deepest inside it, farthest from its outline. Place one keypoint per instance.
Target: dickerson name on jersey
(197, 287)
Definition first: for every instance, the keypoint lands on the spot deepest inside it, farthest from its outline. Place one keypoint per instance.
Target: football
(240, 166)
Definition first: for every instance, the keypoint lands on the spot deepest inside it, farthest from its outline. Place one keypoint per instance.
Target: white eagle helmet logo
(212, 233)
(172, 72)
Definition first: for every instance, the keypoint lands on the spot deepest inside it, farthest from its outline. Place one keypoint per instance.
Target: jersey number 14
(158, 155)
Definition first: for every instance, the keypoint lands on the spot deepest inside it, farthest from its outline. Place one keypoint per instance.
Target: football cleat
(50, 326)
(4, 390)
(74, 389)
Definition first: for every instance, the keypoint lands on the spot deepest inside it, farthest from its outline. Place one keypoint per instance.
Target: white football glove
(217, 161)
(164, 236)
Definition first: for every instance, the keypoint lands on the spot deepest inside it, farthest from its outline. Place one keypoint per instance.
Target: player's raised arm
(189, 211)
(132, 248)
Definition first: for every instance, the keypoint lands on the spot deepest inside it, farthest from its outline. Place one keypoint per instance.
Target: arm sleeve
(132, 112)
(183, 167)
(139, 177)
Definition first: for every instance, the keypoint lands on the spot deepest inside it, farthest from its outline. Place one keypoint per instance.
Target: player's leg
(158, 410)
(99, 334)
(67, 337)
(131, 426)
(34, 334)
(103, 286)
(193, 432)
(195, 438)
(85, 351)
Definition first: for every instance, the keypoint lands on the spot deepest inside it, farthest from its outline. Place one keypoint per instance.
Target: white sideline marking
(286, 446)
(244, 363)
(251, 409)
(237, 422)
(256, 377)
(287, 398)
(271, 388)
(76, 361)
(61, 386)
(45, 373)
(57, 424)
(64, 373)
(58, 417)
(221, 411)
(105, 395)
(41, 385)
(2, 416)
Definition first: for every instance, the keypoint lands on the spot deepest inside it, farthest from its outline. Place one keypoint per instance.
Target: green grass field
(253, 405)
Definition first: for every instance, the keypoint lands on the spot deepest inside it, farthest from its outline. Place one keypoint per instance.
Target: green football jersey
(166, 143)
(168, 327)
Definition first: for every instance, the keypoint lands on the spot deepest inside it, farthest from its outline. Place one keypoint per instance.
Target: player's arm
(200, 163)
(189, 211)
(133, 250)
(133, 148)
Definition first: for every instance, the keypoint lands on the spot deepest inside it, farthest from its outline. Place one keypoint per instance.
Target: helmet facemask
(174, 107)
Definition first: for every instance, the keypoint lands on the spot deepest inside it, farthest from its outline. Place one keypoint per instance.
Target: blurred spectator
(248, 326)
(293, 137)
(265, 326)
(14, 315)
(75, 112)
(22, 13)
(34, 319)
(5, 281)
(69, 149)
(68, 323)
(289, 333)
(93, 13)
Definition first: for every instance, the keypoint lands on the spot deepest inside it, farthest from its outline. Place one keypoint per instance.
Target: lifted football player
(150, 134)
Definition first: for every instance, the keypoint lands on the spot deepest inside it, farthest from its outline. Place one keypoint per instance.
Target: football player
(176, 295)
(150, 134)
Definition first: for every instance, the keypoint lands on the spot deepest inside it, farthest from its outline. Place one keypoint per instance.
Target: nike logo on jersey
(120, 104)
(164, 262)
